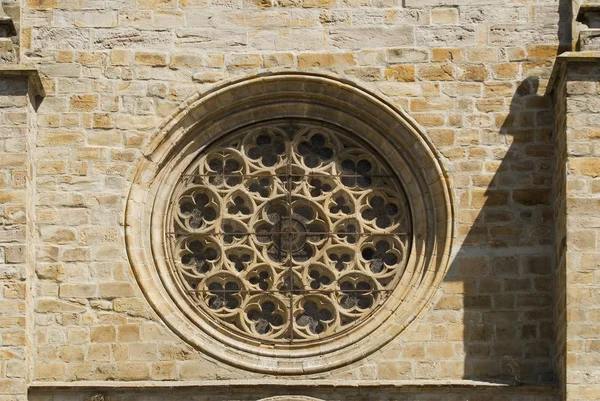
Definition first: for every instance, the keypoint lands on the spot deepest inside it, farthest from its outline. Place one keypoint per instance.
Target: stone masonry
(516, 316)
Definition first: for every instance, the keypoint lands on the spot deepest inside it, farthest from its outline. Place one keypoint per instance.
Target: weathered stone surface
(360, 38)
(129, 38)
(407, 55)
(60, 38)
(210, 38)
(471, 76)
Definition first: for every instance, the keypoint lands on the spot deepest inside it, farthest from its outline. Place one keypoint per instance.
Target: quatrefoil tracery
(289, 232)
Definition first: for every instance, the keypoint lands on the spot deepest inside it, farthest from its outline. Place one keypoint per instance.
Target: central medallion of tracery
(289, 232)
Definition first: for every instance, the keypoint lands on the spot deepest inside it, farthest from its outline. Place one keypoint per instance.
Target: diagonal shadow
(505, 264)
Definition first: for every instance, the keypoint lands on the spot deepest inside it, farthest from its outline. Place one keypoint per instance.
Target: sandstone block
(209, 76)
(473, 73)
(120, 57)
(406, 55)
(78, 290)
(116, 290)
(154, 332)
(452, 302)
(127, 121)
(206, 38)
(402, 89)
(445, 36)
(15, 253)
(16, 369)
(444, 15)
(60, 38)
(439, 351)
(164, 371)
(56, 306)
(128, 333)
(50, 371)
(87, 102)
(401, 73)
(98, 353)
(14, 291)
(442, 72)
(215, 60)
(58, 235)
(103, 334)
(429, 104)
(104, 138)
(361, 38)
(366, 74)
(426, 3)
(143, 352)
(150, 59)
(186, 60)
(13, 386)
(95, 19)
(133, 370)
(197, 370)
(274, 60)
(443, 137)
(131, 306)
(13, 160)
(42, 4)
(318, 3)
(53, 271)
(391, 370)
(156, 4)
(242, 61)
(585, 166)
(541, 52)
(482, 55)
(325, 60)
(71, 353)
(532, 197)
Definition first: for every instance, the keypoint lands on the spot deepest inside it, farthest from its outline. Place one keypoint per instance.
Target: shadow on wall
(505, 265)
(504, 268)
(565, 25)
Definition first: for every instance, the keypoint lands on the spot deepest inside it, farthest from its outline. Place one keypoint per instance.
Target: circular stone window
(289, 231)
(289, 223)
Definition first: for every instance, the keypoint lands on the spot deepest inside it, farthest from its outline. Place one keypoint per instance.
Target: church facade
(299, 200)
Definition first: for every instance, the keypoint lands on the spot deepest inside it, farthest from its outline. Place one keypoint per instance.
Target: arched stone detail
(324, 100)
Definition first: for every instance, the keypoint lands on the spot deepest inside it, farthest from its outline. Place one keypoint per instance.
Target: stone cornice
(8, 25)
(570, 57)
(587, 8)
(25, 70)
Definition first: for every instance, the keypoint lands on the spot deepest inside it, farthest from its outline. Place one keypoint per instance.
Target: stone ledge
(399, 385)
(588, 13)
(567, 57)
(7, 26)
(24, 70)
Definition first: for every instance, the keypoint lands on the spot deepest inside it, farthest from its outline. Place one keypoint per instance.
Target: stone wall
(560, 229)
(582, 262)
(472, 75)
(15, 326)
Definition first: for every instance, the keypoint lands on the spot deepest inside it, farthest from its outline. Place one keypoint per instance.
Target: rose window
(288, 232)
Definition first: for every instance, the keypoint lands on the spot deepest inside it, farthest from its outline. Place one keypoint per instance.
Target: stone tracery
(289, 231)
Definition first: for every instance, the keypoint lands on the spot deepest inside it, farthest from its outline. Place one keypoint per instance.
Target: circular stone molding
(219, 244)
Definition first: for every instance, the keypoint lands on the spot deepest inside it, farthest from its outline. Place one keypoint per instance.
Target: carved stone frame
(206, 117)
